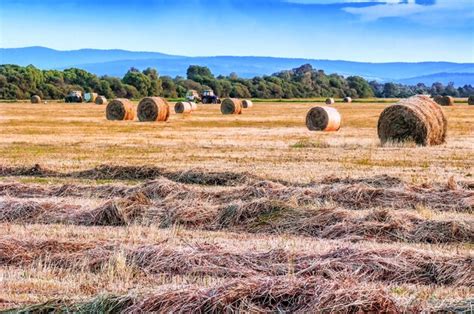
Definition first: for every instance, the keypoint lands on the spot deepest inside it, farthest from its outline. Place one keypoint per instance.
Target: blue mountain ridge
(117, 62)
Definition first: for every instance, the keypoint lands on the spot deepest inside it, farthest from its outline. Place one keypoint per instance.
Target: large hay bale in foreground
(444, 100)
(246, 103)
(347, 99)
(231, 106)
(120, 109)
(183, 107)
(470, 100)
(194, 106)
(101, 100)
(418, 119)
(330, 101)
(323, 119)
(35, 99)
(153, 109)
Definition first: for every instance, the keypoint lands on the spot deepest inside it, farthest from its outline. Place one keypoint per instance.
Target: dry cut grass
(248, 213)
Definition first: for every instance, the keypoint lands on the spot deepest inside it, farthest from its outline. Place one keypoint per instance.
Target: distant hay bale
(470, 100)
(323, 119)
(183, 107)
(91, 97)
(35, 99)
(153, 109)
(231, 106)
(120, 109)
(330, 101)
(417, 119)
(347, 99)
(246, 103)
(444, 100)
(101, 100)
(194, 106)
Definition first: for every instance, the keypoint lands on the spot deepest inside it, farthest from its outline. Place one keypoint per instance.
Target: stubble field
(248, 213)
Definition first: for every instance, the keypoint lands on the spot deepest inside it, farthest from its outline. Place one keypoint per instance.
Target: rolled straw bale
(93, 97)
(323, 119)
(444, 100)
(35, 99)
(246, 103)
(347, 99)
(153, 109)
(330, 101)
(120, 109)
(183, 107)
(470, 100)
(417, 119)
(231, 106)
(90, 97)
(194, 106)
(101, 100)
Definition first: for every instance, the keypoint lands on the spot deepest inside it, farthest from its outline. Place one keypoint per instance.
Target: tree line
(17, 82)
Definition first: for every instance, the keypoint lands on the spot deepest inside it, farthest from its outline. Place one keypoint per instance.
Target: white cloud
(442, 10)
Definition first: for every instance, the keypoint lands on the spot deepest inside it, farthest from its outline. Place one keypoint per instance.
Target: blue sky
(377, 31)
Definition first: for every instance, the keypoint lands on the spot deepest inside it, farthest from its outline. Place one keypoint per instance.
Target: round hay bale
(93, 97)
(101, 100)
(35, 99)
(153, 109)
(247, 104)
(470, 100)
(347, 99)
(183, 107)
(194, 106)
(444, 100)
(330, 101)
(120, 109)
(231, 106)
(323, 119)
(418, 119)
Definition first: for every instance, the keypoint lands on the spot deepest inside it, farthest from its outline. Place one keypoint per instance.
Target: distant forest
(18, 82)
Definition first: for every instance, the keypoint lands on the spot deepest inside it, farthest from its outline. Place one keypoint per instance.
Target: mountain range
(117, 62)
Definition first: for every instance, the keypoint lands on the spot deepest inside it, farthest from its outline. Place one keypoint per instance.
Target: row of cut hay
(261, 215)
(185, 107)
(387, 265)
(352, 194)
(276, 294)
(116, 172)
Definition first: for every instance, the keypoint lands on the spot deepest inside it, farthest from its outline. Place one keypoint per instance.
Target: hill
(117, 63)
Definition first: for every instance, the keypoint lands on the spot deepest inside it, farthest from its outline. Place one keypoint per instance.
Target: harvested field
(216, 213)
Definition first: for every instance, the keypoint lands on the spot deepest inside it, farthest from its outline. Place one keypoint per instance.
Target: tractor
(74, 96)
(208, 97)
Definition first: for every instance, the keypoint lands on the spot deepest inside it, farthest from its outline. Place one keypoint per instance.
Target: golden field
(250, 213)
